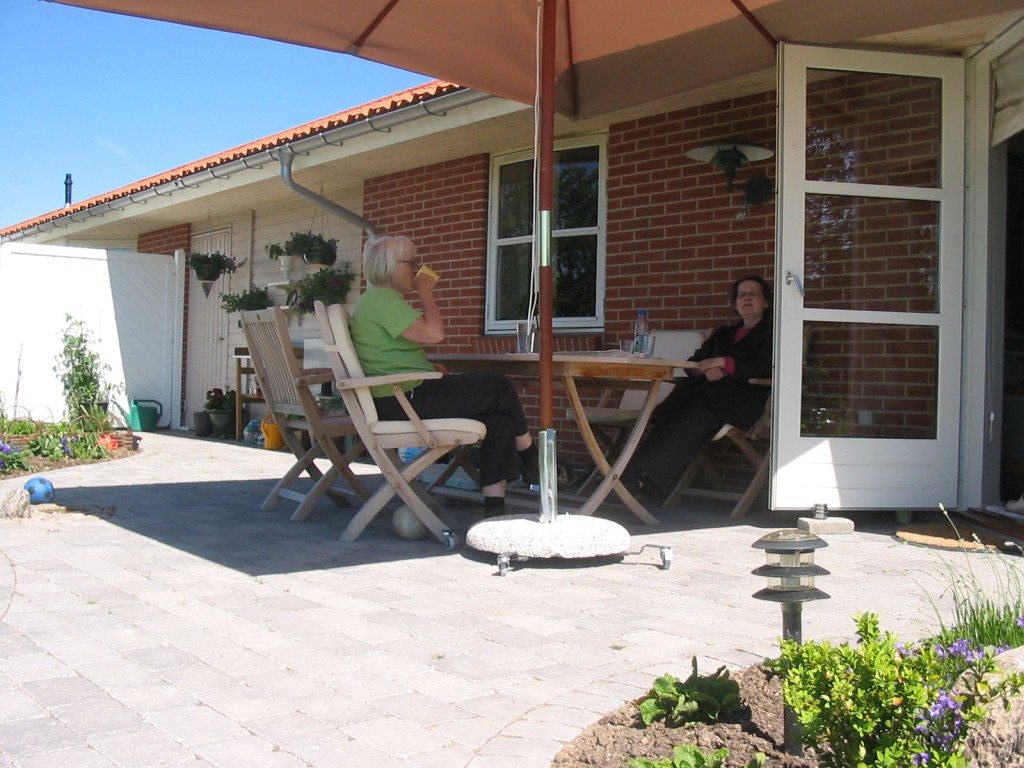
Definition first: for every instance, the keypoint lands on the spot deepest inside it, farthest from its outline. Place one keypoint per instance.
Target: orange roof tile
(381, 106)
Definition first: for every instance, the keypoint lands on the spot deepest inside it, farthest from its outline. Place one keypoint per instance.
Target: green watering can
(143, 418)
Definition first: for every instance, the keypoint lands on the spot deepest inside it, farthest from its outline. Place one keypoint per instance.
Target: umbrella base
(569, 537)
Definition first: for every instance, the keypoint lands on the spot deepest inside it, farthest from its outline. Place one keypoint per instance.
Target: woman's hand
(712, 362)
(715, 374)
(442, 369)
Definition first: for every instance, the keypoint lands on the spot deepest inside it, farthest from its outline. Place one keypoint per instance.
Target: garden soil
(755, 727)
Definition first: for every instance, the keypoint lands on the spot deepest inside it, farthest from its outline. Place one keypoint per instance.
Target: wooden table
(610, 369)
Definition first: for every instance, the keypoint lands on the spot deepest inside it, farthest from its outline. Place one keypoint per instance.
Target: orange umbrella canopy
(609, 54)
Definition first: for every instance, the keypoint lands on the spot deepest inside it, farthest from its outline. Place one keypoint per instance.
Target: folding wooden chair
(742, 439)
(382, 439)
(612, 423)
(293, 408)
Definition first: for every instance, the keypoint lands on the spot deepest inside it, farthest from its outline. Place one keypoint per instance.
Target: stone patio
(172, 623)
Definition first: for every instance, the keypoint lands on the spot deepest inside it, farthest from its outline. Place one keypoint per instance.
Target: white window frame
(592, 323)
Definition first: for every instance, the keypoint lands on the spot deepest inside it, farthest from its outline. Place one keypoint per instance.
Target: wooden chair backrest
(273, 358)
(344, 362)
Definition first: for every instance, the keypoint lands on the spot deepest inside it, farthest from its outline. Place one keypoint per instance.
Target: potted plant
(250, 299)
(81, 371)
(220, 404)
(210, 266)
(331, 286)
(312, 247)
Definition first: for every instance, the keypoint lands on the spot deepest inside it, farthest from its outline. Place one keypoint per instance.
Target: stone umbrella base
(569, 537)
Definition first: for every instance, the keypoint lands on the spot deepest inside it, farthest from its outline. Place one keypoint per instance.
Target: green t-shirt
(380, 319)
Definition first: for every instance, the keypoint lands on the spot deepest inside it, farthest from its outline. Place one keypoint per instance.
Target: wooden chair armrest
(760, 382)
(311, 376)
(389, 379)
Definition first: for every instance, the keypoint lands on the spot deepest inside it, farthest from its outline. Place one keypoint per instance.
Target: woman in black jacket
(716, 393)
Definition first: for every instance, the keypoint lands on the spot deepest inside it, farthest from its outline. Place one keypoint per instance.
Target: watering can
(143, 418)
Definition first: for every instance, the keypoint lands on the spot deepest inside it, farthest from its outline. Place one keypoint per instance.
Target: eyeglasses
(749, 294)
(413, 264)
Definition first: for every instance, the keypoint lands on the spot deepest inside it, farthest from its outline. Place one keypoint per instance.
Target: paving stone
(24, 738)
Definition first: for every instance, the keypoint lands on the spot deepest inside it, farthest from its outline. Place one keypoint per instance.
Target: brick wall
(168, 240)
(443, 208)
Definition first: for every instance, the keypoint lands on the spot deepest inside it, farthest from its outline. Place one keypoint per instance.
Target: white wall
(127, 300)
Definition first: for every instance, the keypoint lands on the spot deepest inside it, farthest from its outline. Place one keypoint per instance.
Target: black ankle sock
(494, 505)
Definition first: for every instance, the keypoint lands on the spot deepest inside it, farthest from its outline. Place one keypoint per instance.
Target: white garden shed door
(128, 300)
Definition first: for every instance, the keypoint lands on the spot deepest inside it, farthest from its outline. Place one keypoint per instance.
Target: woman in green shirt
(388, 333)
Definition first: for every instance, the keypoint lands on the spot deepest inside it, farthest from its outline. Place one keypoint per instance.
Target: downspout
(330, 206)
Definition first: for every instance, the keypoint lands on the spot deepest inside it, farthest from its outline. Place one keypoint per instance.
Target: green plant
(880, 704)
(688, 756)
(699, 698)
(218, 399)
(210, 266)
(983, 616)
(80, 370)
(252, 298)
(10, 459)
(330, 286)
(19, 427)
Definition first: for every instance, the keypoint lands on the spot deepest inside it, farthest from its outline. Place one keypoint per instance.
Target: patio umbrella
(579, 57)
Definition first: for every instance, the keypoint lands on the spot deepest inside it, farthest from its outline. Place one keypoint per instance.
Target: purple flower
(5, 448)
(1020, 622)
(921, 758)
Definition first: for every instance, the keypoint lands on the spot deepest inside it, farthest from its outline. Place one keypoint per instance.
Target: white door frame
(984, 284)
(865, 473)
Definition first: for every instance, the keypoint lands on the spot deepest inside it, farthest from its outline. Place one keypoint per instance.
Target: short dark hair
(766, 290)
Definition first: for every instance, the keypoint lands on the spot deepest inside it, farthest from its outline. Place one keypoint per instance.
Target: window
(577, 224)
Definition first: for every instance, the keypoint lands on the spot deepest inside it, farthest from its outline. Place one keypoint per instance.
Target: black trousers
(676, 438)
(486, 397)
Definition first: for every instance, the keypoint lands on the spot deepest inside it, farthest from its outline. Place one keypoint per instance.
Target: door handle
(792, 277)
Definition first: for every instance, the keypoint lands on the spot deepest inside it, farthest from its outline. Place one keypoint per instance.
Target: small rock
(15, 503)
(998, 740)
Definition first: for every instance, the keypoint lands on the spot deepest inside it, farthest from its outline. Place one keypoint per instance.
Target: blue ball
(40, 490)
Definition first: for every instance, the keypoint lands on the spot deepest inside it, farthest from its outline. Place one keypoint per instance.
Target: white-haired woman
(388, 334)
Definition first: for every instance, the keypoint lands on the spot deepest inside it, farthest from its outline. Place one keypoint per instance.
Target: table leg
(611, 473)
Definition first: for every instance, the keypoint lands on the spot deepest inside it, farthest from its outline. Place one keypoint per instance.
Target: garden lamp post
(790, 571)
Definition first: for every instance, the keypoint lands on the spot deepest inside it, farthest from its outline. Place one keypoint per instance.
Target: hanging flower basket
(210, 266)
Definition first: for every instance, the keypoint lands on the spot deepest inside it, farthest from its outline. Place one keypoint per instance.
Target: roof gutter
(285, 152)
(286, 158)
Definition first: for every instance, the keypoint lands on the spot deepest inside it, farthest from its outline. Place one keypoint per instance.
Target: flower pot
(223, 423)
(207, 272)
(323, 257)
(201, 424)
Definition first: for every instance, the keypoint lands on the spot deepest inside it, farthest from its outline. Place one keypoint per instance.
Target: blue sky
(111, 99)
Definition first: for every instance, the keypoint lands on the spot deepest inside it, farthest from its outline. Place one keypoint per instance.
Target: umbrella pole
(545, 156)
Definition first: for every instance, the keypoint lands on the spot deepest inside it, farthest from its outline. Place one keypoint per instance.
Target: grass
(984, 617)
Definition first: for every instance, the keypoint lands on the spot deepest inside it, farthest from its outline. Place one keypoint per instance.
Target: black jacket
(731, 399)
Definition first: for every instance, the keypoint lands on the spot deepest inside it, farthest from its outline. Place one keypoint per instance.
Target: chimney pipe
(67, 190)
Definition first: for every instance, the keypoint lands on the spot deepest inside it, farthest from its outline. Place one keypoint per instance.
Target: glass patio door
(869, 280)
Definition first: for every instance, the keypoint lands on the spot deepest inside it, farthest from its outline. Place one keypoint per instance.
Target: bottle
(641, 333)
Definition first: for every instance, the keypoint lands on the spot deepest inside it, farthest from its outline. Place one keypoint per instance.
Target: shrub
(699, 698)
(882, 704)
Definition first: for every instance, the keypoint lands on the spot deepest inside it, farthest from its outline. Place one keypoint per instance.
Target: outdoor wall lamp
(790, 570)
(728, 155)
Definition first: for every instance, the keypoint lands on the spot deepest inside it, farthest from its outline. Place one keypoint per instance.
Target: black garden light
(790, 570)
